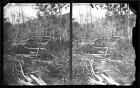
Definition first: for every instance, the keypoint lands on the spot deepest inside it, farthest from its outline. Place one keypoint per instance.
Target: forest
(37, 51)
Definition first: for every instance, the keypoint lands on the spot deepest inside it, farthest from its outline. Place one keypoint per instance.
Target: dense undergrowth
(119, 64)
(54, 61)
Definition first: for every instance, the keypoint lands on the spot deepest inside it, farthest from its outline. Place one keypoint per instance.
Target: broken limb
(38, 80)
(26, 77)
(15, 44)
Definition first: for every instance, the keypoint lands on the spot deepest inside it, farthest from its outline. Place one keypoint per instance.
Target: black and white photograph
(36, 44)
(102, 44)
(68, 44)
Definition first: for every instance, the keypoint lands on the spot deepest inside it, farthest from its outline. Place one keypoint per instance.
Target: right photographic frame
(102, 52)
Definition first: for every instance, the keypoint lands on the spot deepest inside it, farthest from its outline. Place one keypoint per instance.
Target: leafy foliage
(50, 8)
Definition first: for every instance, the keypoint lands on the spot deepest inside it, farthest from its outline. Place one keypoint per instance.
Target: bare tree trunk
(66, 33)
(91, 15)
(36, 30)
(80, 18)
(53, 33)
(122, 31)
(60, 28)
(22, 15)
(18, 27)
(60, 39)
(128, 29)
(12, 17)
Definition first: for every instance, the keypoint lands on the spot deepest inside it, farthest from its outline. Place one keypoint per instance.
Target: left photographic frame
(36, 44)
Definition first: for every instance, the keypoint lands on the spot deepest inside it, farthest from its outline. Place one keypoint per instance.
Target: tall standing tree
(6, 34)
(48, 14)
